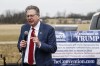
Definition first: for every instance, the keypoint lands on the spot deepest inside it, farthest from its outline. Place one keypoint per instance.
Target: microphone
(25, 38)
(25, 35)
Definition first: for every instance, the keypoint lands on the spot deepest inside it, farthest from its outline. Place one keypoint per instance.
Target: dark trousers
(26, 64)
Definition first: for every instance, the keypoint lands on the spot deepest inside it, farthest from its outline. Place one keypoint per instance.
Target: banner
(77, 48)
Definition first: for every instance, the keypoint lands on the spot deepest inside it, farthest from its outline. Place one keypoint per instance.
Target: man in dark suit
(37, 40)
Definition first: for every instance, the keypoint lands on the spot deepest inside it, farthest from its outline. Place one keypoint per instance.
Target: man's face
(32, 17)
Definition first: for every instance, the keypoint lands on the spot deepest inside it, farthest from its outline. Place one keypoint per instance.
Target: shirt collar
(37, 26)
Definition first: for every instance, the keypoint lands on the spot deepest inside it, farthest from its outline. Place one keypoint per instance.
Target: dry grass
(11, 53)
(9, 37)
(83, 27)
(9, 32)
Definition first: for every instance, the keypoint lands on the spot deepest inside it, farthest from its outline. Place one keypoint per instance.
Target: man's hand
(36, 41)
(23, 44)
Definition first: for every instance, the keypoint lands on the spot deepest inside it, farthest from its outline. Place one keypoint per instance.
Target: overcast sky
(52, 6)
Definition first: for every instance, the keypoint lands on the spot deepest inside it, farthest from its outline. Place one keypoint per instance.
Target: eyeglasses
(31, 15)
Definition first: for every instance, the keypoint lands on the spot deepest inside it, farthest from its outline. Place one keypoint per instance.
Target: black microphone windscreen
(25, 35)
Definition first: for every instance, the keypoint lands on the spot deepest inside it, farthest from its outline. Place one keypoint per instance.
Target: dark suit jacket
(48, 44)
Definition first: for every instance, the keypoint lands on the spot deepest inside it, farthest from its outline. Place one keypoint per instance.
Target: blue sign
(77, 48)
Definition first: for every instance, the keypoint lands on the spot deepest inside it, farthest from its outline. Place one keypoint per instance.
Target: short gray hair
(33, 7)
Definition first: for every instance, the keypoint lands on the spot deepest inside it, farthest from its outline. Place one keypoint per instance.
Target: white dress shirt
(28, 43)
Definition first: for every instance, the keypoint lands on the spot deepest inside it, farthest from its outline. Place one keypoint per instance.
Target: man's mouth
(30, 21)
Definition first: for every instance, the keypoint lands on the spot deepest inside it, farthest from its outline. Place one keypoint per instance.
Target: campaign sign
(77, 48)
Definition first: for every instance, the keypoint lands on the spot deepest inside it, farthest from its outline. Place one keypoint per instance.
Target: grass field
(9, 33)
(83, 27)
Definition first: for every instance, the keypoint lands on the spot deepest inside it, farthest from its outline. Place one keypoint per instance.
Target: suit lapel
(40, 31)
(27, 28)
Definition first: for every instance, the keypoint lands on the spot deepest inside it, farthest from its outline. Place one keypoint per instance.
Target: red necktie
(31, 49)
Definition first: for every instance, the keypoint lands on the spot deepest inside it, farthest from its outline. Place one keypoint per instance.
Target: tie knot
(33, 29)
